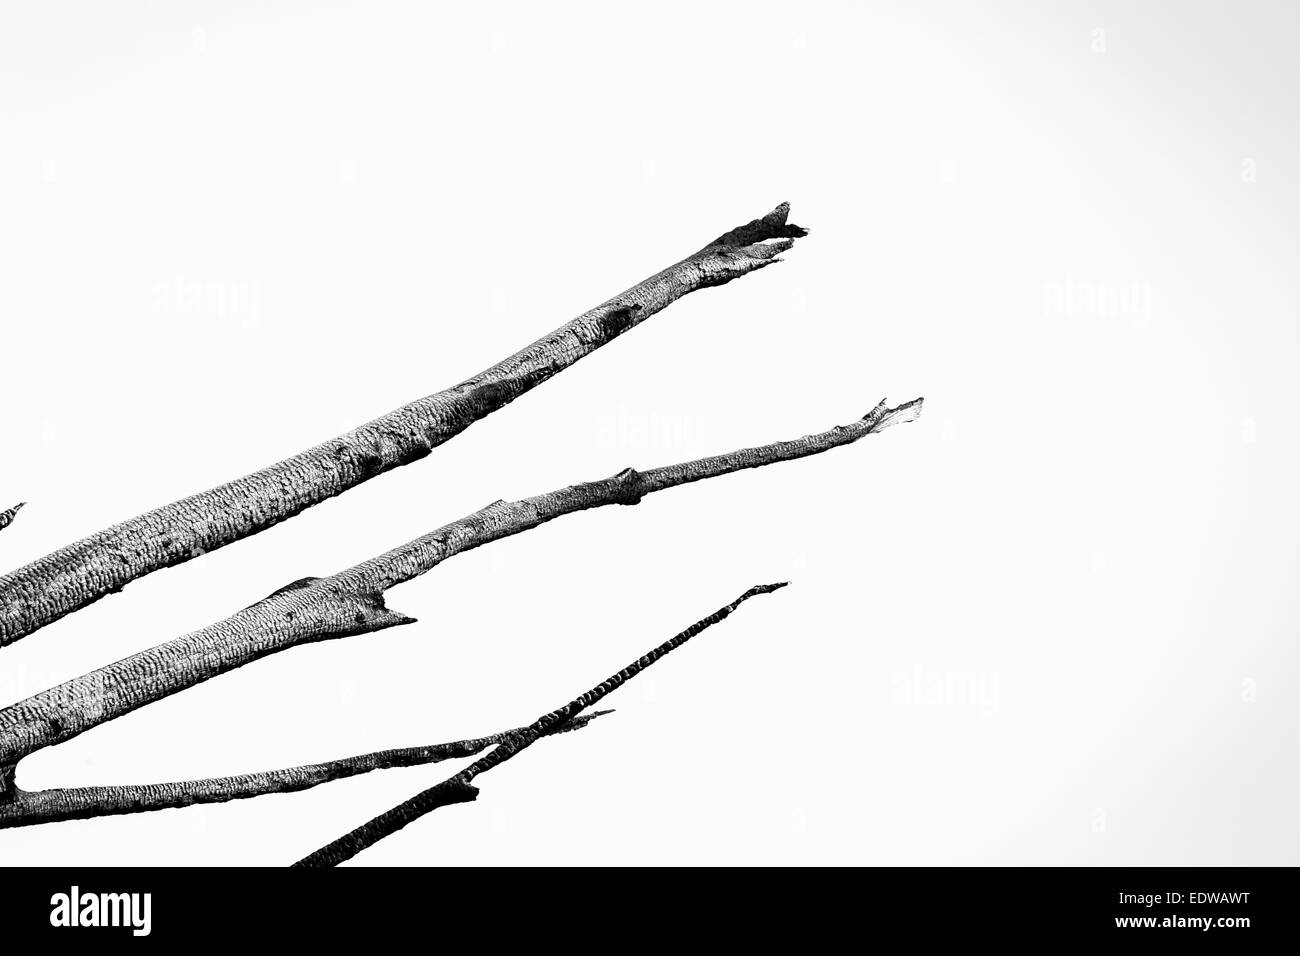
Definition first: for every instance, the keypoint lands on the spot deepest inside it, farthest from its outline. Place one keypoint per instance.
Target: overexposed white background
(1053, 621)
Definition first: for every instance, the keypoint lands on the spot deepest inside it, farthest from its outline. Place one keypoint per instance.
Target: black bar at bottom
(1232, 906)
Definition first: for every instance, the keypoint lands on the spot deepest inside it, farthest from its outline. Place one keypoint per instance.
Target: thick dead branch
(352, 602)
(28, 808)
(103, 563)
(7, 517)
(460, 788)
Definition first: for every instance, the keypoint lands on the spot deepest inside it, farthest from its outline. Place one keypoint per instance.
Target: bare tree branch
(352, 602)
(28, 808)
(460, 788)
(105, 562)
(7, 517)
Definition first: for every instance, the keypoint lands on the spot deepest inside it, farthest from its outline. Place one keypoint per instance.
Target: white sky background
(1054, 621)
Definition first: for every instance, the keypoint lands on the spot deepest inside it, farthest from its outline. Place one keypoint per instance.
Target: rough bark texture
(7, 516)
(352, 602)
(103, 563)
(27, 808)
(461, 789)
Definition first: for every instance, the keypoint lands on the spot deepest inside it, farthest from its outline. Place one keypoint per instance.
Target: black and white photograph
(884, 452)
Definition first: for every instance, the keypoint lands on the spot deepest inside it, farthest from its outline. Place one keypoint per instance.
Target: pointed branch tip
(7, 517)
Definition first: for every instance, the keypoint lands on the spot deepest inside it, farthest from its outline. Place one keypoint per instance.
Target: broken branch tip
(882, 416)
(764, 589)
(780, 216)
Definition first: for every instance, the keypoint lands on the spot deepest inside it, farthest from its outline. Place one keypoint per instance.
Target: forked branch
(28, 808)
(105, 562)
(460, 788)
(352, 602)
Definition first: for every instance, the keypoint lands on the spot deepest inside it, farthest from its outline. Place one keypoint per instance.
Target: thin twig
(352, 602)
(80, 573)
(7, 517)
(460, 788)
(28, 808)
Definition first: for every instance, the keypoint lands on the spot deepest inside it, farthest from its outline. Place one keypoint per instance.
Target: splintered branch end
(351, 602)
(771, 226)
(748, 248)
(64, 581)
(882, 416)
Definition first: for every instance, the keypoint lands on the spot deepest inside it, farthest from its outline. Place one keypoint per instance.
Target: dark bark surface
(105, 562)
(20, 808)
(460, 788)
(7, 516)
(352, 602)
